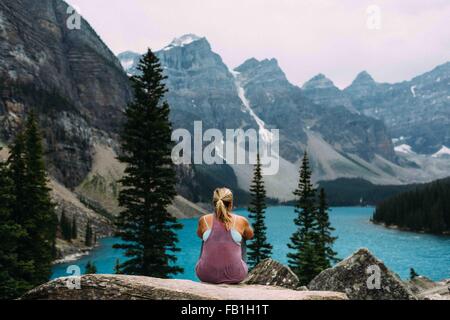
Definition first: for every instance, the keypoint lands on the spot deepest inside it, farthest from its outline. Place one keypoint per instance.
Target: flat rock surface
(120, 287)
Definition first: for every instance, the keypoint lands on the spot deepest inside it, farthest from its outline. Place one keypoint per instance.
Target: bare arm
(248, 231)
(201, 227)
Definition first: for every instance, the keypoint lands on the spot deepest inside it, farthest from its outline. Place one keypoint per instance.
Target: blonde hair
(223, 203)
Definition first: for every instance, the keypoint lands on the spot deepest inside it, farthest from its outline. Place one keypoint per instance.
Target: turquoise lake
(429, 255)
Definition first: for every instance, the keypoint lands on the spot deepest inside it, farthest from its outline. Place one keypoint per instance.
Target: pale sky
(307, 37)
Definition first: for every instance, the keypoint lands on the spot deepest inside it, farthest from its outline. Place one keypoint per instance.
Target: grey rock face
(357, 277)
(322, 91)
(70, 77)
(289, 108)
(201, 88)
(257, 94)
(129, 61)
(417, 110)
(272, 273)
(119, 287)
(362, 86)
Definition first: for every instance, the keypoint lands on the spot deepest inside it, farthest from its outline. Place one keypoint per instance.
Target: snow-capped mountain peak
(129, 60)
(183, 41)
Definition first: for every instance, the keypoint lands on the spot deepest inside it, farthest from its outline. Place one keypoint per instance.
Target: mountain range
(337, 127)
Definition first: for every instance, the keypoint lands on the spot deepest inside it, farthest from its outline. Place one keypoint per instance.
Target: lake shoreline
(406, 229)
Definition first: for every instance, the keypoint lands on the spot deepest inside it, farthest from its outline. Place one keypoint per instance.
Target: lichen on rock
(121, 287)
(363, 277)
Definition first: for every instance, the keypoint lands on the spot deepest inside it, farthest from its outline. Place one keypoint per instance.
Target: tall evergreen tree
(33, 209)
(17, 170)
(117, 267)
(324, 239)
(303, 260)
(90, 268)
(74, 231)
(88, 235)
(259, 248)
(42, 216)
(12, 270)
(412, 274)
(149, 181)
(65, 226)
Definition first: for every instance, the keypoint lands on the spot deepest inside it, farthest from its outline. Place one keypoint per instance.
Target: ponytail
(223, 201)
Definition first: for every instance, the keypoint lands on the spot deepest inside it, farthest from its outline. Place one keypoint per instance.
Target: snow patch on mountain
(127, 64)
(404, 148)
(183, 41)
(266, 135)
(443, 152)
(413, 91)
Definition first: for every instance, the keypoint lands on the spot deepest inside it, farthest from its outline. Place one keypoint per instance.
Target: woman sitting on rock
(223, 233)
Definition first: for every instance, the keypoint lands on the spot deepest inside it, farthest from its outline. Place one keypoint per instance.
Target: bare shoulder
(242, 220)
(208, 217)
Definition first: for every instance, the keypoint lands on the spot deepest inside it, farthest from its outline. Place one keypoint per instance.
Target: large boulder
(362, 277)
(272, 273)
(121, 287)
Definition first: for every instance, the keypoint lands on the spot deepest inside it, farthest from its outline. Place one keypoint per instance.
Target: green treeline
(427, 208)
(28, 222)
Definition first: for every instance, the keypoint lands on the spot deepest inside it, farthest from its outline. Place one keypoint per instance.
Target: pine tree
(325, 240)
(74, 228)
(43, 219)
(65, 226)
(412, 273)
(304, 260)
(146, 227)
(117, 267)
(88, 235)
(17, 168)
(90, 268)
(12, 270)
(33, 209)
(259, 248)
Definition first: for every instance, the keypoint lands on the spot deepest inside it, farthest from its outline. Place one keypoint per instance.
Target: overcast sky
(339, 38)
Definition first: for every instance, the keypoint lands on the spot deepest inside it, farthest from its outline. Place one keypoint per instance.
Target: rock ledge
(120, 287)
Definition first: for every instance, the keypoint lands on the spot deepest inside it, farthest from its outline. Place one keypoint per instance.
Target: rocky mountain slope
(69, 76)
(417, 111)
(79, 90)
